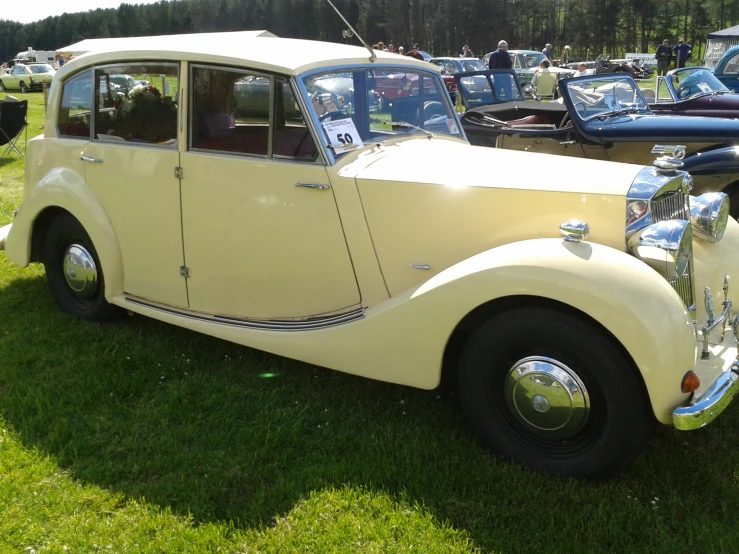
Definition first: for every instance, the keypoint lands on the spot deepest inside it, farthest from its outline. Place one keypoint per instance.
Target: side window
(76, 107)
(516, 61)
(663, 94)
(292, 136)
(230, 111)
(733, 65)
(137, 103)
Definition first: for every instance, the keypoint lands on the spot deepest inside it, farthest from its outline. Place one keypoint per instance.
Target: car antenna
(373, 56)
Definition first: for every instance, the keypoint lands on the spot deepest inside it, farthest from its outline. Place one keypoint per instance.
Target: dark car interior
(524, 115)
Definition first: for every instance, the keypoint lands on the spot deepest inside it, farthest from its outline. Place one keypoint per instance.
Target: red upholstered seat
(529, 120)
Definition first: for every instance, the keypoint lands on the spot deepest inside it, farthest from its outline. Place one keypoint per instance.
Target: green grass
(142, 437)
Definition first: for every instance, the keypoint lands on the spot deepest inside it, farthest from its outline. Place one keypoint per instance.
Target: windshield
(696, 81)
(533, 60)
(473, 65)
(603, 97)
(39, 68)
(359, 106)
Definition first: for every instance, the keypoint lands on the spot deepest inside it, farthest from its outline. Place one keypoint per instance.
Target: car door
(728, 73)
(131, 165)
(16, 76)
(263, 238)
(564, 142)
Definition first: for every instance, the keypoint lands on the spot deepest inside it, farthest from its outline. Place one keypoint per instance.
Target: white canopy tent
(718, 43)
(92, 44)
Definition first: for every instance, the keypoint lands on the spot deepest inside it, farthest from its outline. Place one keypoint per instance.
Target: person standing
(466, 52)
(663, 54)
(565, 57)
(548, 51)
(682, 51)
(500, 59)
(414, 53)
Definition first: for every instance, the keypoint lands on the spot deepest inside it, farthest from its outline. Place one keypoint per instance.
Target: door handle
(568, 142)
(91, 160)
(313, 186)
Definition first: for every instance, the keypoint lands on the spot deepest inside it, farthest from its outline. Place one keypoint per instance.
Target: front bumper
(708, 403)
(4, 231)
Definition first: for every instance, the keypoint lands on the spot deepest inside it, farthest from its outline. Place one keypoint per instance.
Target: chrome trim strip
(709, 406)
(311, 324)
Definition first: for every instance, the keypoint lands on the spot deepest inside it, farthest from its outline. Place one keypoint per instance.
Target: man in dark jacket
(500, 59)
(414, 53)
(663, 54)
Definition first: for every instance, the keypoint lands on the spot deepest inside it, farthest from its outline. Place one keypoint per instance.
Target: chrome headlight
(709, 215)
(665, 246)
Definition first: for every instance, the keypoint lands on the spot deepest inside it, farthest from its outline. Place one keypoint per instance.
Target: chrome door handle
(312, 186)
(568, 142)
(91, 160)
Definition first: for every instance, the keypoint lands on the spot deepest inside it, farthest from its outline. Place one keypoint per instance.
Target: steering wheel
(433, 109)
(683, 92)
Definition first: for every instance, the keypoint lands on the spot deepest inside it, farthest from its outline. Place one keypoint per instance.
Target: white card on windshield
(342, 135)
(705, 87)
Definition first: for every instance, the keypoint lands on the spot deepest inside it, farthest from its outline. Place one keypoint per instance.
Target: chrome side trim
(709, 406)
(309, 324)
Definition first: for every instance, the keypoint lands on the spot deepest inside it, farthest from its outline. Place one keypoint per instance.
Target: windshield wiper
(615, 113)
(406, 124)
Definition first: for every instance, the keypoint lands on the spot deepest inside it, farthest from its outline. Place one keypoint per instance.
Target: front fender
(719, 161)
(65, 189)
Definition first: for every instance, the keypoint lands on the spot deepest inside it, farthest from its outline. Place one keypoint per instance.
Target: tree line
(590, 27)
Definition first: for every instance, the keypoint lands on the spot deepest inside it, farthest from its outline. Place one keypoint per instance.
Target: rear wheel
(73, 271)
(23, 86)
(547, 390)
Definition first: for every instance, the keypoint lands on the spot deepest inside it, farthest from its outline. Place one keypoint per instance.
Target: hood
(652, 127)
(457, 164)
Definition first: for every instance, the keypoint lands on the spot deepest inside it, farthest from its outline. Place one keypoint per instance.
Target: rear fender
(64, 189)
(719, 161)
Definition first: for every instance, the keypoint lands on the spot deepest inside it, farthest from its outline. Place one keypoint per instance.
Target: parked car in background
(692, 91)
(526, 62)
(486, 88)
(606, 117)
(727, 68)
(27, 77)
(450, 66)
(564, 304)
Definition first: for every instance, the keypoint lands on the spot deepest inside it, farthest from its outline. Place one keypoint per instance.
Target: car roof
(280, 55)
(524, 52)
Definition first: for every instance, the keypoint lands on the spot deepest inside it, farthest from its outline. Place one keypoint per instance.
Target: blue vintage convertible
(603, 117)
(727, 68)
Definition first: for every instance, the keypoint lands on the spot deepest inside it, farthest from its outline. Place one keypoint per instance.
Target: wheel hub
(547, 397)
(80, 271)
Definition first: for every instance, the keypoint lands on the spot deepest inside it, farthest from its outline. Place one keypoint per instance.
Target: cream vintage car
(568, 298)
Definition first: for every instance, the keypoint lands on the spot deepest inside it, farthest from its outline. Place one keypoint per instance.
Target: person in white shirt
(581, 70)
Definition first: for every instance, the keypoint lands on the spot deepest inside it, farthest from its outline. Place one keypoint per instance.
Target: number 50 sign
(342, 135)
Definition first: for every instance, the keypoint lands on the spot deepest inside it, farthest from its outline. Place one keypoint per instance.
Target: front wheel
(23, 86)
(73, 271)
(545, 389)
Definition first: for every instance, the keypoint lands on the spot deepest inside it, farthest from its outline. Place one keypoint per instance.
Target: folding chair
(12, 122)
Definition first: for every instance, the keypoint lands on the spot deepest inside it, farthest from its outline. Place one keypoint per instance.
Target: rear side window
(137, 103)
(76, 107)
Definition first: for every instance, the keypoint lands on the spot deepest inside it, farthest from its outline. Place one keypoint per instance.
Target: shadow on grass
(226, 433)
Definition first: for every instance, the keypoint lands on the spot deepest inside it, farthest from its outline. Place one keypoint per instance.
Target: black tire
(608, 438)
(23, 86)
(63, 233)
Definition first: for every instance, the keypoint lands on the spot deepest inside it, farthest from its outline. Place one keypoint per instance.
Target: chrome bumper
(704, 410)
(4, 235)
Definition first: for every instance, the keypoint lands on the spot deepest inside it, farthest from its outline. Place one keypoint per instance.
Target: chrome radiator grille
(673, 206)
(676, 206)
(684, 286)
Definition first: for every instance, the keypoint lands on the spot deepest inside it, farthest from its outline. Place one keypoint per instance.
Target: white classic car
(563, 301)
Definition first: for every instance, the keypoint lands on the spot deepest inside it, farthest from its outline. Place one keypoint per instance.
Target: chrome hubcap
(547, 397)
(80, 271)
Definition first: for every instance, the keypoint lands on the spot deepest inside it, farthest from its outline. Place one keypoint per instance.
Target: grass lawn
(142, 437)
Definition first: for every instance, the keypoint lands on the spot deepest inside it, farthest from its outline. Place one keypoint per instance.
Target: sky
(34, 11)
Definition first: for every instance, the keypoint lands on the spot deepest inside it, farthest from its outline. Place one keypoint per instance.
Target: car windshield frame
(312, 118)
(629, 102)
(525, 56)
(686, 73)
(44, 67)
